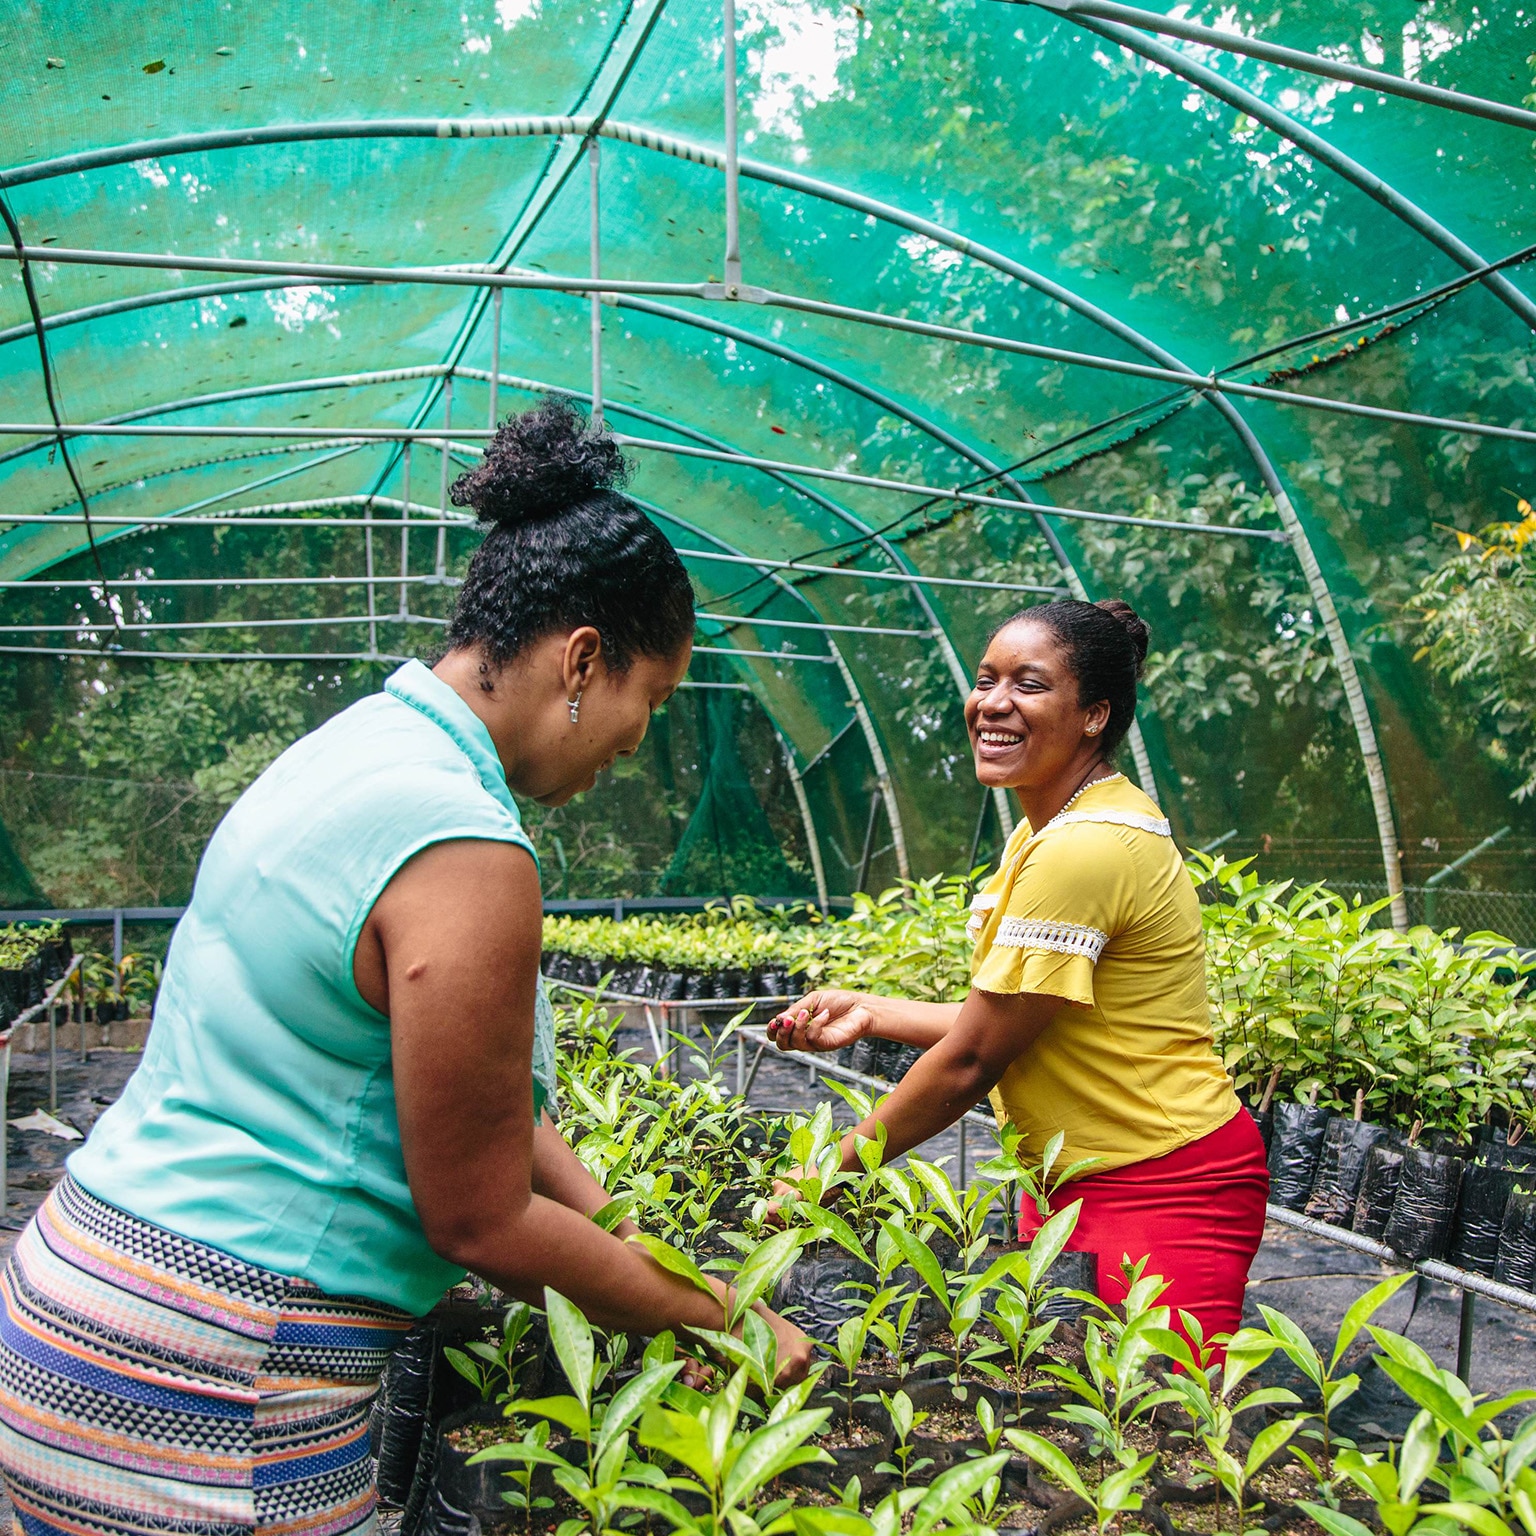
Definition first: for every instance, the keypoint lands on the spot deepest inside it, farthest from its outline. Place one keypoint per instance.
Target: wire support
(1294, 58)
(970, 498)
(46, 364)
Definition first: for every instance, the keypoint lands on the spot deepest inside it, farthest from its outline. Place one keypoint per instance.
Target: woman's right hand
(823, 1021)
(795, 1347)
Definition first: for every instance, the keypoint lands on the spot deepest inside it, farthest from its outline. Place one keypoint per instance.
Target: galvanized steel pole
(594, 155)
(732, 170)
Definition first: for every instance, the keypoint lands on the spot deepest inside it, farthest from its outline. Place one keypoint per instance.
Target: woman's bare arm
(455, 940)
(991, 1032)
(560, 1175)
(830, 1019)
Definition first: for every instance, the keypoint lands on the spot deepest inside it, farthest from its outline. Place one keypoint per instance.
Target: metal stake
(757, 1061)
(732, 169)
(405, 519)
(594, 160)
(961, 1131)
(495, 352)
(53, 1059)
(5, 1130)
(442, 530)
(373, 627)
(1464, 1336)
(741, 1065)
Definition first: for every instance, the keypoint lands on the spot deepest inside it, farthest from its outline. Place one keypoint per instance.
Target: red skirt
(1196, 1213)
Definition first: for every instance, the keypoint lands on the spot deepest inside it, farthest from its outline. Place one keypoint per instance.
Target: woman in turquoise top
(344, 1102)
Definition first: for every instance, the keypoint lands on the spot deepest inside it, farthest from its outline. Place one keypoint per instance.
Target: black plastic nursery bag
(1425, 1208)
(1378, 1188)
(1485, 1195)
(1340, 1167)
(1295, 1145)
(1517, 1243)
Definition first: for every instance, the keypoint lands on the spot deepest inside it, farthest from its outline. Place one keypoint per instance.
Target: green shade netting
(728, 845)
(995, 167)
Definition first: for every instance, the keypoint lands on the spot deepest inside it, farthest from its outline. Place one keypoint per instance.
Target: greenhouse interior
(906, 316)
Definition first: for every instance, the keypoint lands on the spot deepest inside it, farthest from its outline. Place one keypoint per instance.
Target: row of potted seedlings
(1425, 1196)
(966, 1382)
(32, 957)
(635, 978)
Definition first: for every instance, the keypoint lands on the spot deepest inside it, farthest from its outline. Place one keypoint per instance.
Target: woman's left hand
(823, 1021)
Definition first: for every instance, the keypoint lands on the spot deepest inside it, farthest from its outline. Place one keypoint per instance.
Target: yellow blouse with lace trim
(1096, 908)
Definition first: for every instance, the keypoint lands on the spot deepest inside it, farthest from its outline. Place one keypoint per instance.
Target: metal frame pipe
(968, 498)
(1293, 58)
(1324, 151)
(595, 258)
(1198, 383)
(649, 445)
(760, 621)
(732, 268)
(299, 272)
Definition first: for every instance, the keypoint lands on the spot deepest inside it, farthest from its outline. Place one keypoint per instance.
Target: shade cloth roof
(1113, 210)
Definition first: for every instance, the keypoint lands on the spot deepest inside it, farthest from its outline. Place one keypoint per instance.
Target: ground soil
(842, 1436)
(948, 1424)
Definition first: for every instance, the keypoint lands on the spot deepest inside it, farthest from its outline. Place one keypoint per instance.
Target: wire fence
(1510, 914)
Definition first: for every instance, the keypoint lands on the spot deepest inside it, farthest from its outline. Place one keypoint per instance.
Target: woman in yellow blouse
(1087, 1011)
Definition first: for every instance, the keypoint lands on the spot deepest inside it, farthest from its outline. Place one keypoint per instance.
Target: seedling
(491, 1368)
(904, 1419)
(1117, 1494)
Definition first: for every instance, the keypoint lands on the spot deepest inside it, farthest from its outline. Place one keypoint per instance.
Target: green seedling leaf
(1419, 1452)
(1047, 1244)
(565, 1410)
(1429, 1392)
(1335, 1521)
(762, 1269)
(632, 1399)
(1268, 1441)
(673, 1259)
(571, 1335)
(1049, 1458)
(921, 1257)
(768, 1452)
(830, 1224)
(1363, 1310)
(1473, 1516)
(616, 1211)
(947, 1495)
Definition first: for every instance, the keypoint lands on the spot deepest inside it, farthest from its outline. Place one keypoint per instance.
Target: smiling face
(1027, 726)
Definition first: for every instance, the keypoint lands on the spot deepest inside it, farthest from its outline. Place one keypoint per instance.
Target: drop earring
(576, 707)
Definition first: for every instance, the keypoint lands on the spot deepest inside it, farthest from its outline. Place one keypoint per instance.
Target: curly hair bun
(1133, 624)
(539, 465)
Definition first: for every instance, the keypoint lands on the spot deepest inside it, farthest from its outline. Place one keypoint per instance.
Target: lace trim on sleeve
(981, 909)
(1047, 934)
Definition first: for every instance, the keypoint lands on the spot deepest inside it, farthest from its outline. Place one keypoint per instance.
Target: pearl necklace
(1081, 791)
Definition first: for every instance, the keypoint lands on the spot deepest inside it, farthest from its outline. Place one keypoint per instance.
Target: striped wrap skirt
(149, 1384)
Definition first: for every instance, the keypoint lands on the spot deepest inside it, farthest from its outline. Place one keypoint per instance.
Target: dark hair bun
(1133, 624)
(539, 465)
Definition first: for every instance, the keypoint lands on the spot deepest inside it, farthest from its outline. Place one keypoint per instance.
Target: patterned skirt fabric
(151, 1384)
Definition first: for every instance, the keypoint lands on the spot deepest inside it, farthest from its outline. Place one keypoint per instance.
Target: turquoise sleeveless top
(262, 1119)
